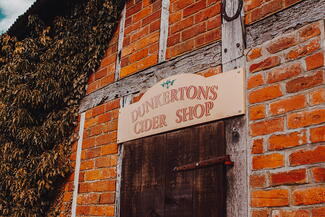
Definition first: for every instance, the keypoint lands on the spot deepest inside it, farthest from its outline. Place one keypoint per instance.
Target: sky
(10, 10)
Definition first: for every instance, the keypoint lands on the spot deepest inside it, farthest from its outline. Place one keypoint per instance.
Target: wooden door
(151, 187)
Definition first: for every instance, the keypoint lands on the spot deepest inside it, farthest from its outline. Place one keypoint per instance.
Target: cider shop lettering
(206, 94)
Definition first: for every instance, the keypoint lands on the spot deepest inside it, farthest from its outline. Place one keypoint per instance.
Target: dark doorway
(152, 188)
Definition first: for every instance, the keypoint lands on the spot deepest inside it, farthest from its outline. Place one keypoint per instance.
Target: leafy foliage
(42, 80)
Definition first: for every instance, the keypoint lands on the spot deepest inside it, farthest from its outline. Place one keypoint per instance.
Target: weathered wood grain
(193, 62)
(237, 190)
(305, 12)
(233, 43)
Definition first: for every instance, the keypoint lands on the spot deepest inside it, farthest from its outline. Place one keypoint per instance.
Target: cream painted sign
(183, 100)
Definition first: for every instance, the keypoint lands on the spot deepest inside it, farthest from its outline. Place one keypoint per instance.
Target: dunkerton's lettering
(173, 95)
(194, 112)
(156, 122)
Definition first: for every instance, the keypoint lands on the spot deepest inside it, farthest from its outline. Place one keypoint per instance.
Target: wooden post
(233, 45)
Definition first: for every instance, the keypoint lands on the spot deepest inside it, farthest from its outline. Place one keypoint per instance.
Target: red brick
(100, 74)
(104, 118)
(317, 96)
(309, 196)
(309, 31)
(318, 174)
(257, 181)
(172, 40)
(271, 7)
(181, 4)
(251, 4)
(254, 54)
(88, 143)
(214, 22)
(282, 141)
(288, 104)
(87, 164)
(260, 213)
(318, 212)
(138, 55)
(105, 162)
(315, 61)
(109, 149)
(98, 186)
(271, 198)
(180, 48)
(306, 82)
(98, 110)
(287, 3)
(134, 9)
(84, 199)
(317, 134)
(95, 130)
(281, 44)
(175, 17)
(255, 81)
(107, 210)
(208, 13)
(290, 213)
(289, 177)
(283, 73)
(179, 26)
(211, 71)
(155, 16)
(192, 9)
(253, 15)
(107, 198)
(193, 31)
(106, 138)
(257, 112)
(264, 94)
(303, 50)
(111, 105)
(266, 127)
(155, 26)
(307, 118)
(91, 153)
(270, 161)
(303, 157)
(108, 79)
(265, 64)
(257, 146)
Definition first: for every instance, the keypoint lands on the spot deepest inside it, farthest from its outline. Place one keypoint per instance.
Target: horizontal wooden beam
(193, 62)
(305, 12)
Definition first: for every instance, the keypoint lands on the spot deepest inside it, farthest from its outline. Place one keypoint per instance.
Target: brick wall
(97, 181)
(286, 96)
(192, 25)
(141, 36)
(258, 9)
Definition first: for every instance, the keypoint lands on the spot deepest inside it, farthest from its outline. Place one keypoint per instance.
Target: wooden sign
(183, 100)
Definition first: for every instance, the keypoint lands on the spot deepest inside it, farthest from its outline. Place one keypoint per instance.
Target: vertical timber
(233, 45)
(126, 100)
(233, 42)
(77, 168)
(120, 45)
(164, 24)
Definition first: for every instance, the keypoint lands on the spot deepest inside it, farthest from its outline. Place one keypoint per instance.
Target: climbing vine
(43, 77)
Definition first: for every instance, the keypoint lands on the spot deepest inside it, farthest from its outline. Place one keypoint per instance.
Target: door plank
(182, 148)
(153, 177)
(131, 178)
(209, 185)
